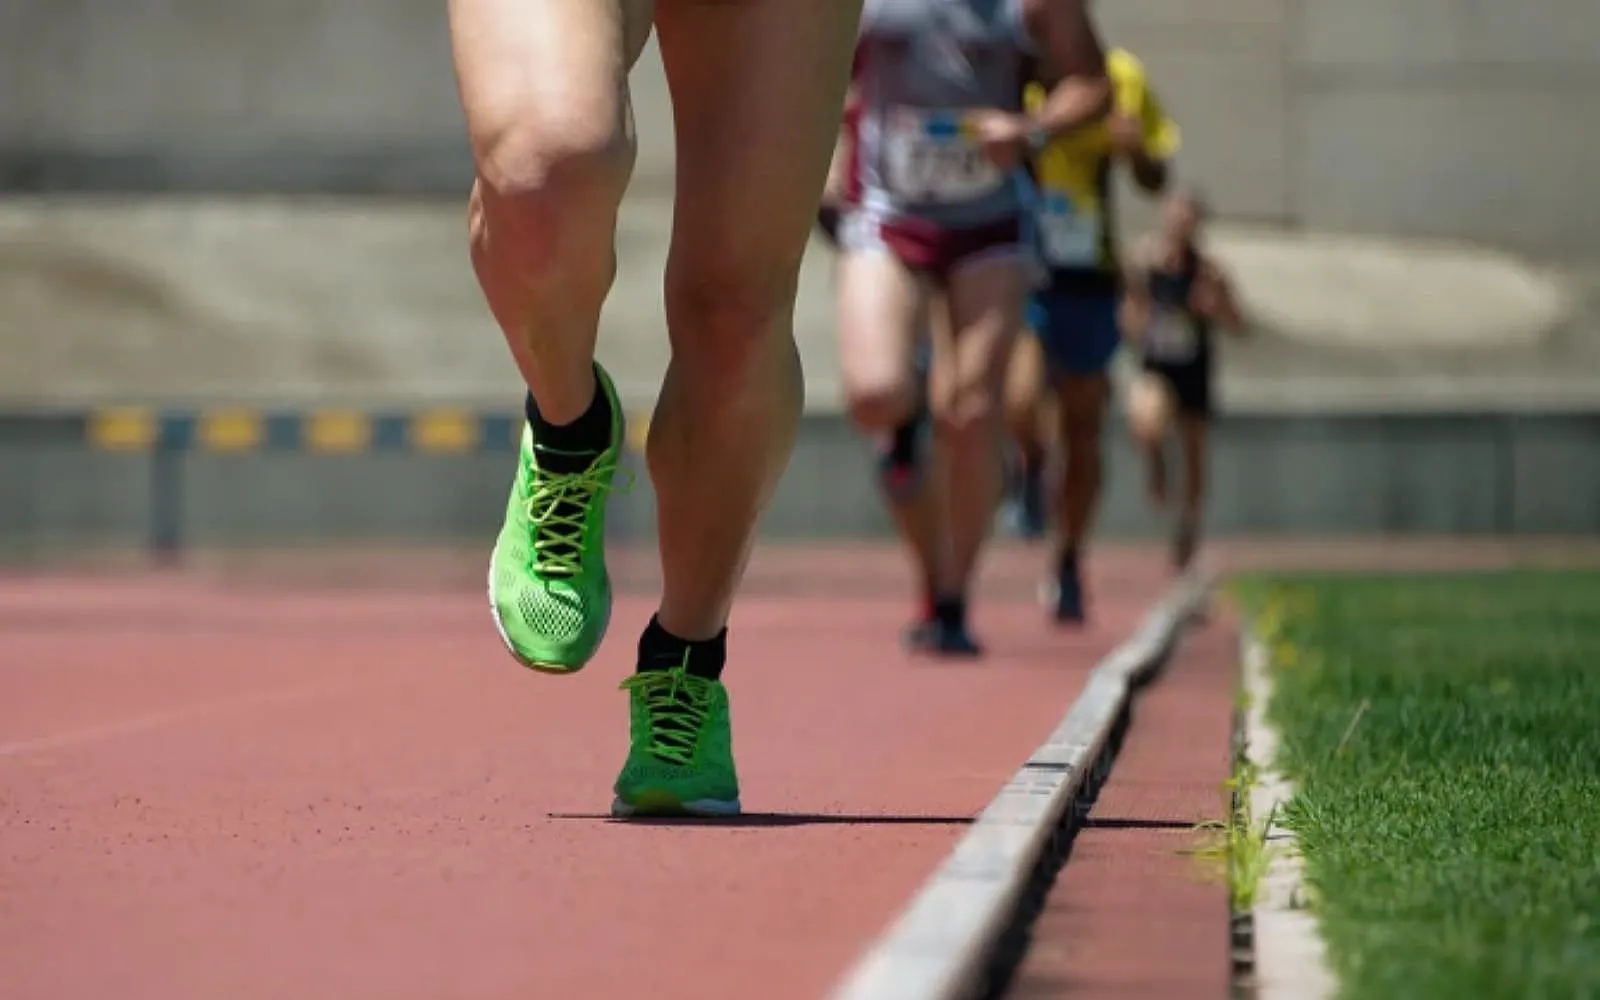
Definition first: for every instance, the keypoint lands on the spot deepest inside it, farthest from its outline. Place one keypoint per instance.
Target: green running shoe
(680, 754)
(548, 586)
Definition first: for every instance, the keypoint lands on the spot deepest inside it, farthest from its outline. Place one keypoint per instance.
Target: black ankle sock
(1067, 563)
(661, 650)
(950, 612)
(903, 443)
(572, 447)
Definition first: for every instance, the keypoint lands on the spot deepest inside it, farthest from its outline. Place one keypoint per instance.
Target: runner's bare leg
(545, 89)
(758, 88)
(986, 302)
(1027, 397)
(1082, 403)
(881, 307)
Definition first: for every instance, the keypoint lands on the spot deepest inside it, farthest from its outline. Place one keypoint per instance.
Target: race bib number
(1067, 236)
(929, 160)
(1172, 337)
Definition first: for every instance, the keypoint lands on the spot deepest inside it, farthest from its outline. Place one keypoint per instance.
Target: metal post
(166, 503)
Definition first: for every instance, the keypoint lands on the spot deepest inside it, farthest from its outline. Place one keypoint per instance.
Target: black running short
(1190, 385)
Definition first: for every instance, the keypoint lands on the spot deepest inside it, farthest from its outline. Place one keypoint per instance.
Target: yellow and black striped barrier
(168, 436)
(320, 432)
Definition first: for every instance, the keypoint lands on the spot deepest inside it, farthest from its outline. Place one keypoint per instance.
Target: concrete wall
(325, 95)
(1449, 118)
(1454, 118)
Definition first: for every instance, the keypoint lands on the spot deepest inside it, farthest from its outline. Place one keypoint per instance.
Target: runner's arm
(1218, 300)
(1149, 170)
(1071, 47)
(1156, 139)
(835, 191)
(829, 209)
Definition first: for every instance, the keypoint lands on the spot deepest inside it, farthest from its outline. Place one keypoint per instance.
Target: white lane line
(158, 720)
(1290, 962)
(940, 946)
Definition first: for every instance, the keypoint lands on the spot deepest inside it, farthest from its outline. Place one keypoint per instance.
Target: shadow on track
(771, 819)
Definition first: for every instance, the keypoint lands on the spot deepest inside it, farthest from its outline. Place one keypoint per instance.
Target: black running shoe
(1069, 592)
(936, 638)
(942, 632)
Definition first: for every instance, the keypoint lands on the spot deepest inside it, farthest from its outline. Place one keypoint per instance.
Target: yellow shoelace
(558, 508)
(678, 704)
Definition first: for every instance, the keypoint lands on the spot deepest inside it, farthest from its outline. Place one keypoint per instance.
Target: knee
(554, 161)
(540, 182)
(878, 404)
(725, 319)
(1149, 413)
(972, 409)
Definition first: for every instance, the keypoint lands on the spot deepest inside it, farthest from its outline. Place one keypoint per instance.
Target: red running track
(210, 791)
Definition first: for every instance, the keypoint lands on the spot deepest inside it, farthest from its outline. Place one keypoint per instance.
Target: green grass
(1444, 737)
(1236, 848)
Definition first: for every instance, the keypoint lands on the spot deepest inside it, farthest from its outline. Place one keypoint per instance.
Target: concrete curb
(964, 932)
(1289, 960)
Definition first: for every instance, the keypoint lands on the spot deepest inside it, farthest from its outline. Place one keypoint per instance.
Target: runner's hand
(1127, 138)
(1002, 135)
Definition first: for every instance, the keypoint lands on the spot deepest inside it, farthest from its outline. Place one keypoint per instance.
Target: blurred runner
(899, 468)
(756, 89)
(1075, 316)
(1176, 295)
(931, 241)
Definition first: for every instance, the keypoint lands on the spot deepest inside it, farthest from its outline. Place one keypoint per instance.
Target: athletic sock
(573, 447)
(951, 612)
(661, 650)
(1067, 563)
(903, 443)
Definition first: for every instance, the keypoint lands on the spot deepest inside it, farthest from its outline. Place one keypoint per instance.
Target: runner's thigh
(545, 80)
(758, 93)
(880, 313)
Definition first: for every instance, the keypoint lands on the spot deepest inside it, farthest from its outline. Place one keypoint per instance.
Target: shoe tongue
(562, 462)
